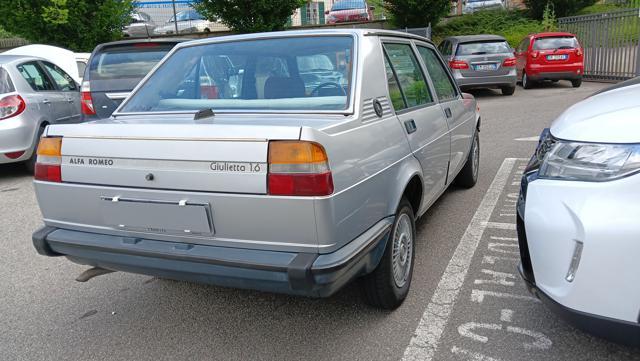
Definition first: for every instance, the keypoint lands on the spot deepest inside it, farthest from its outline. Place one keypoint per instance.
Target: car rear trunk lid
(192, 157)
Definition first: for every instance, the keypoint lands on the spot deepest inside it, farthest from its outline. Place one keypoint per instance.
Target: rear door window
(62, 79)
(408, 75)
(35, 76)
(483, 48)
(442, 82)
(127, 62)
(6, 85)
(553, 43)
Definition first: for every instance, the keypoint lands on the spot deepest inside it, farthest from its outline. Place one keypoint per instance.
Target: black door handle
(447, 112)
(410, 126)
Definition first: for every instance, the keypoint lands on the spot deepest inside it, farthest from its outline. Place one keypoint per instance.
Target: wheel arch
(410, 185)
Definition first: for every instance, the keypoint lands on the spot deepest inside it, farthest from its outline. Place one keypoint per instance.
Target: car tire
(388, 285)
(508, 90)
(30, 163)
(526, 83)
(576, 83)
(468, 176)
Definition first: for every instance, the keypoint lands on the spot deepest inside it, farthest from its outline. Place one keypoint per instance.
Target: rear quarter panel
(369, 157)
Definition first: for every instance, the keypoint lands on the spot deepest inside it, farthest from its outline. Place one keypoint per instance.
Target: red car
(349, 11)
(550, 56)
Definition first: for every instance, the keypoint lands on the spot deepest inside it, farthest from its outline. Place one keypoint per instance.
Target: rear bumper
(17, 134)
(508, 80)
(555, 72)
(306, 274)
(556, 76)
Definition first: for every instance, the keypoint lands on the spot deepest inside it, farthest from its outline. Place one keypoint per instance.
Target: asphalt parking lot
(466, 303)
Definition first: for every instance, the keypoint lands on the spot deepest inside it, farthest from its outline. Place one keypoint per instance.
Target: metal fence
(611, 43)
(326, 12)
(169, 17)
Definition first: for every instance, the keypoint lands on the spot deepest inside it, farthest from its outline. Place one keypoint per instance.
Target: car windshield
(127, 61)
(552, 43)
(6, 86)
(485, 47)
(348, 5)
(297, 73)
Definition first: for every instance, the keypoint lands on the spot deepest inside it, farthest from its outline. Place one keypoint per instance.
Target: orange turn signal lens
(51, 147)
(296, 152)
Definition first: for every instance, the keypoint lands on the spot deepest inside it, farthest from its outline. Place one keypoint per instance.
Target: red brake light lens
(535, 54)
(86, 102)
(48, 163)
(458, 64)
(298, 168)
(579, 52)
(509, 62)
(11, 105)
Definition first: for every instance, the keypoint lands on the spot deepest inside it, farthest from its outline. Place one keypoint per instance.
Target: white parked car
(188, 22)
(471, 6)
(578, 215)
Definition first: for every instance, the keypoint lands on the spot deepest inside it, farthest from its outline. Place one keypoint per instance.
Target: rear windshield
(561, 42)
(485, 47)
(348, 5)
(127, 62)
(6, 86)
(306, 73)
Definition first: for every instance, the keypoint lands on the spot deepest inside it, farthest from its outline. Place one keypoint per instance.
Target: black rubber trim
(357, 257)
(181, 257)
(299, 271)
(619, 331)
(39, 239)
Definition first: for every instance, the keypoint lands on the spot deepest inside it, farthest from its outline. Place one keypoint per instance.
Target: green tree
(417, 13)
(75, 24)
(250, 16)
(560, 7)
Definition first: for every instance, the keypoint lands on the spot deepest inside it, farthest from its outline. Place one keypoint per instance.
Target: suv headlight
(590, 162)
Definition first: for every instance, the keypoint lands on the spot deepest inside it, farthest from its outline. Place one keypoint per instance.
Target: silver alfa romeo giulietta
(290, 162)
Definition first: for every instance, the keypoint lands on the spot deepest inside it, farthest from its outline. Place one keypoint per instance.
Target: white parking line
(424, 342)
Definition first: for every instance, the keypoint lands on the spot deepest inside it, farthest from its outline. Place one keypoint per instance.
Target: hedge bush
(513, 25)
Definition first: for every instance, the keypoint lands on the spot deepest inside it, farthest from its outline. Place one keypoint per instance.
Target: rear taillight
(48, 163)
(579, 52)
(509, 62)
(458, 64)
(85, 99)
(535, 54)
(14, 155)
(11, 105)
(298, 168)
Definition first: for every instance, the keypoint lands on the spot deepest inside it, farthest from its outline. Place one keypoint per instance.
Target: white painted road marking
(424, 342)
(528, 139)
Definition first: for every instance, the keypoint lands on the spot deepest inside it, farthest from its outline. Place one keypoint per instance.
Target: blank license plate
(557, 57)
(162, 217)
(486, 67)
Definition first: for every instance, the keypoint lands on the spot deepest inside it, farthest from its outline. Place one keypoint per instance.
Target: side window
(35, 76)
(62, 79)
(394, 89)
(442, 47)
(408, 75)
(524, 45)
(442, 82)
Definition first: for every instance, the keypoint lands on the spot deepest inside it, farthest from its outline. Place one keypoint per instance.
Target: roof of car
(141, 41)
(475, 38)
(310, 32)
(8, 59)
(551, 34)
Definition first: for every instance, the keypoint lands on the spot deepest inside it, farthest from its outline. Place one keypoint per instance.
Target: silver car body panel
(371, 158)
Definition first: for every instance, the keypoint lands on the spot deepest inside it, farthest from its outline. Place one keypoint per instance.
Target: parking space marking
(426, 337)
